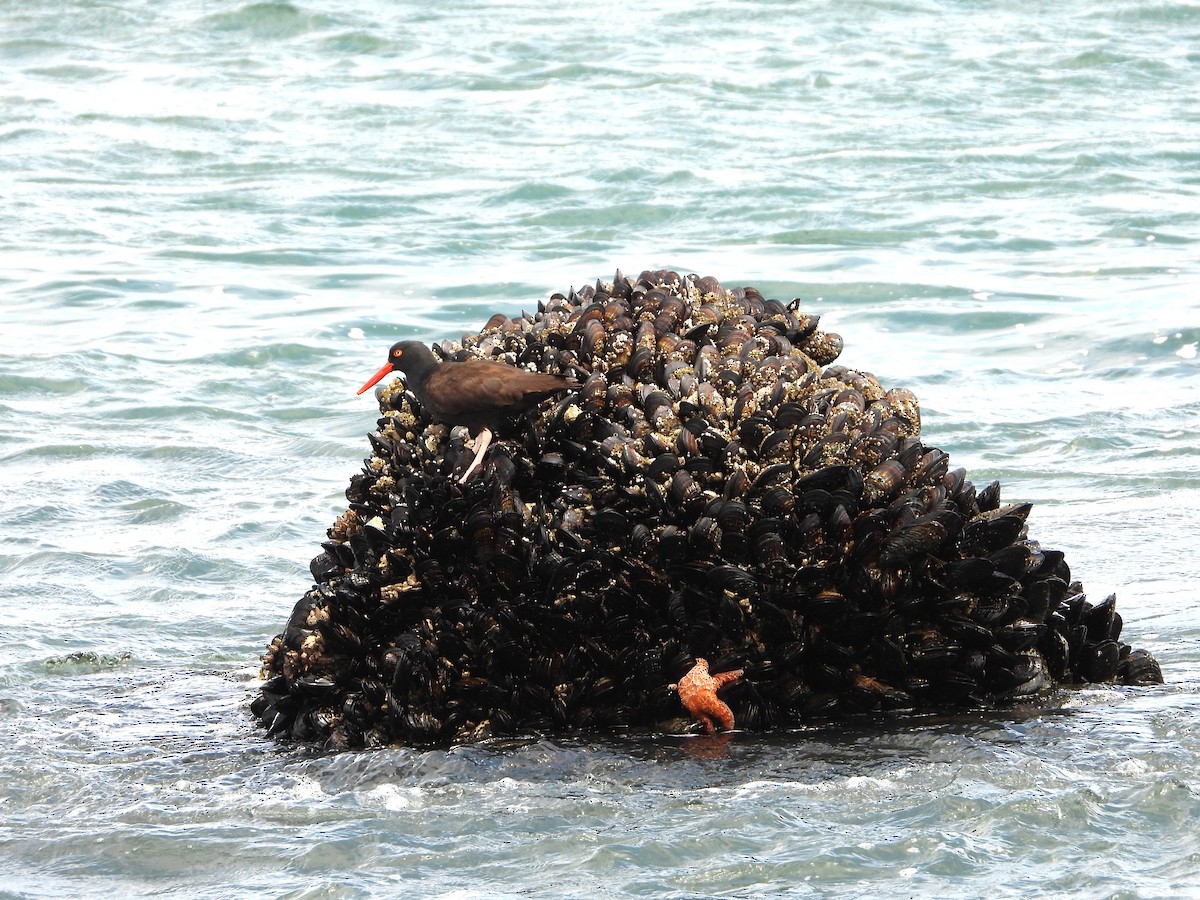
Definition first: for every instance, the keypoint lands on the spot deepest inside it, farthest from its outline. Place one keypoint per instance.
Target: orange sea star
(698, 693)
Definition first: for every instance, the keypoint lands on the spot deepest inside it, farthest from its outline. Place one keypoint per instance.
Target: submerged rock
(716, 487)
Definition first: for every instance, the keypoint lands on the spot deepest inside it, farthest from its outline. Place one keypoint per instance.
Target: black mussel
(776, 447)
(968, 632)
(989, 498)
(752, 432)
(687, 443)
(705, 537)
(611, 524)
(884, 481)
(777, 501)
(1139, 668)
(1057, 654)
(641, 365)
(1099, 662)
(769, 476)
(984, 535)
(664, 464)
(1022, 634)
(324, 567)
(1100, 619)
(923, 536)
(552, 467)
(1029, 675)
(839, 527)
(684, 491)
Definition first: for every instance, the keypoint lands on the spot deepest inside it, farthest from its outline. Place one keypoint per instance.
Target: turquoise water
(215, 218)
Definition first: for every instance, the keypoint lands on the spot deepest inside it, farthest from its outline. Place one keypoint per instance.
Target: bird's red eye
(397, 353)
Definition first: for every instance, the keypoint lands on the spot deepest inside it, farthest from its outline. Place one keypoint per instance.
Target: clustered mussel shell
(717, 487)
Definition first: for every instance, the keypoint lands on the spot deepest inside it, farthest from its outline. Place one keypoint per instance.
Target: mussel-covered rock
(717, 487)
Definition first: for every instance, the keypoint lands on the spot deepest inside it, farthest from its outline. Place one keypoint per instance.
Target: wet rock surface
(717, 487)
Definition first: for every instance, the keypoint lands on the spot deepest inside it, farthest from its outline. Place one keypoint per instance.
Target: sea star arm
(724, 678)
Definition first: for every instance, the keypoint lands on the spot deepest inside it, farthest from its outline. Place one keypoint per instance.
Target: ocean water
(216, 216)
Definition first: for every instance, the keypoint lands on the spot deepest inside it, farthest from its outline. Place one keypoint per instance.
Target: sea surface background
(216, 216)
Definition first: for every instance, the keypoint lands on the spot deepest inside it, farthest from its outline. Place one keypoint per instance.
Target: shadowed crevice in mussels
(713, 486)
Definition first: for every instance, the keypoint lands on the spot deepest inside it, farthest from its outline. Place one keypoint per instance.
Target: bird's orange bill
(387, 367)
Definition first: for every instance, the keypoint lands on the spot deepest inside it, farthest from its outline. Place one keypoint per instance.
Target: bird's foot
(482, 440)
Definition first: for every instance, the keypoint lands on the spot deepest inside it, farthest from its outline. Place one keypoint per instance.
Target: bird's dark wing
(482, 391)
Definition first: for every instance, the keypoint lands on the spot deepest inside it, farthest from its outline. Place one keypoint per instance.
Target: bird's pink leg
(482, 440)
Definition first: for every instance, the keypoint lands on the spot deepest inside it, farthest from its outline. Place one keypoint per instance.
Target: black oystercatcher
(477, 393)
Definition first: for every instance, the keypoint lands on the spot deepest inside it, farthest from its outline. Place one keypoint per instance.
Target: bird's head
(410, 357)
